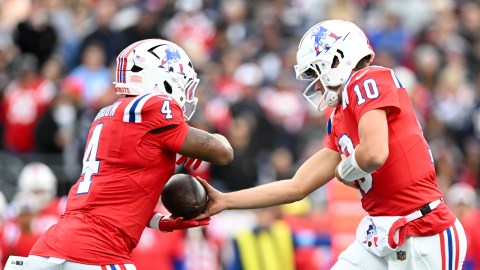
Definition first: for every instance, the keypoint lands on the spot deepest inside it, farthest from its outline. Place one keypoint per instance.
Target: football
(184, 196)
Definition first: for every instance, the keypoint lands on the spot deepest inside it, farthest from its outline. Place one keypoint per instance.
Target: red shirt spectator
(24, 101)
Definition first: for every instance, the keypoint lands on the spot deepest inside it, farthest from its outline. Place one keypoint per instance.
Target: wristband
(154, 221)
(349, 170)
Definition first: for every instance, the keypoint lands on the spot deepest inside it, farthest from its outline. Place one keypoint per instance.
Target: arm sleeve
(378, 88)
(163, 117)
(161, 111)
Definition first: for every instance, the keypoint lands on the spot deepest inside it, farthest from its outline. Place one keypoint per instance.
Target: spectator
(36, 35)
(462, 199)
(93, 74)
(110, 41)
(25, 99)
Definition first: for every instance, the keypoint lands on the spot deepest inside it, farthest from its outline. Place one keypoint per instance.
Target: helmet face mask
(160, 67)
(319, 48)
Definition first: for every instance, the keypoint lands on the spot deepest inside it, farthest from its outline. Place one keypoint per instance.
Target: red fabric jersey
(407, 180)
(124, 170)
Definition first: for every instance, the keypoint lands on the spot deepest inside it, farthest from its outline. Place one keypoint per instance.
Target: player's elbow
(376, 157)
(225, 156)
(224, 151)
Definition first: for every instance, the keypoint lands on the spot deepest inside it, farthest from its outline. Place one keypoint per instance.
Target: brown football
(184, 196)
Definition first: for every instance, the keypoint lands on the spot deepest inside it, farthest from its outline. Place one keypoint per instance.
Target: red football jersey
(407, 180)
(125, 167)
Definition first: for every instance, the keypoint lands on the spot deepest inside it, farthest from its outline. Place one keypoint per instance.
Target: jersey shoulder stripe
(397, 82)
(330, 122)
(133, 111)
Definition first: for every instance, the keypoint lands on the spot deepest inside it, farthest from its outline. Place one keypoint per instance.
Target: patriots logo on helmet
(323, 39)
(171, 60)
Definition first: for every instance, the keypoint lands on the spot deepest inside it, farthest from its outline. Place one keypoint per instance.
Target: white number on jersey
(346, 145)
(369, 88)
(166, 109)
(90, 162)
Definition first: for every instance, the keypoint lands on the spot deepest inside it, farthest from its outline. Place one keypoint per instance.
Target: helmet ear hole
(136, 68)
(167, 87)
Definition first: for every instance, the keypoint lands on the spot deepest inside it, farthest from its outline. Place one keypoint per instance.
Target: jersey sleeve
(171, 138)
(375, 88)
(161, 120)
(161, 111)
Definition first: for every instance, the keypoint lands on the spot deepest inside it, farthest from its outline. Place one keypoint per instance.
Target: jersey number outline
(370, 89)
(346, 145)
(90, 162)
(166, 109)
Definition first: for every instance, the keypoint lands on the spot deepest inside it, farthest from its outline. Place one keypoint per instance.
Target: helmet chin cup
(318, 100)
(332, 98)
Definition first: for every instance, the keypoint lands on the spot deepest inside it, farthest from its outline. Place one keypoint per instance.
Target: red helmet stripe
(122, 61)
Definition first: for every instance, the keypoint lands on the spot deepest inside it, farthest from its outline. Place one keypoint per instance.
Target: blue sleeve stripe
(329, 126)
(397, 82)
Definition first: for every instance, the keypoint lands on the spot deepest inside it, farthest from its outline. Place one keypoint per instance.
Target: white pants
(36, 263)
(445, 250)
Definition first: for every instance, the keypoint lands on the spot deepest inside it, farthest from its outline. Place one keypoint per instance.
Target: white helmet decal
(323, 39)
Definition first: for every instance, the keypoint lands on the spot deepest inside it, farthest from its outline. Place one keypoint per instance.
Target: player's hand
(215, 202)
(189, 161)
(169, 223)
(337, 174)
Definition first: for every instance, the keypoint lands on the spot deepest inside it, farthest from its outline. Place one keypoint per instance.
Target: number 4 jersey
(125, 167)
(407, 180)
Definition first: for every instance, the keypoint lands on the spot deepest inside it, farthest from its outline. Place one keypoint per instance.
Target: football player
(374, 144)
(129, 156)
(35, 208)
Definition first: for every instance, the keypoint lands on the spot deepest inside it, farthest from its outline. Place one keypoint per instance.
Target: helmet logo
(323, 39)
(172, 60)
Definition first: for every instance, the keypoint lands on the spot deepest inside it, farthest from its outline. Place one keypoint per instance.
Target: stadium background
(56, 62)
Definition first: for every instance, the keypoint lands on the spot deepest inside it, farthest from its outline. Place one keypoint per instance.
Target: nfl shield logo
(401, 255)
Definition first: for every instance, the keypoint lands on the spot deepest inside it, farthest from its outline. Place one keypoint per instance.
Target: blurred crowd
(57, 61)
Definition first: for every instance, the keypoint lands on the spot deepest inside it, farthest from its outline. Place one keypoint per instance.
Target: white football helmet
(38, 181)
(315, 56)
(157, 66)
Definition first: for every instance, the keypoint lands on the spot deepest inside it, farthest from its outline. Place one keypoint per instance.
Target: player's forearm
(314, 173)
(213, 148)
(270, 194)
